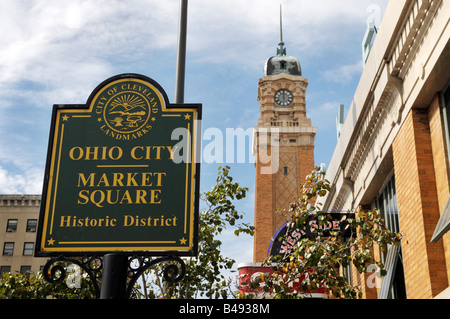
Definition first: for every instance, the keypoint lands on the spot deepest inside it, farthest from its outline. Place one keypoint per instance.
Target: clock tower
(283, 145)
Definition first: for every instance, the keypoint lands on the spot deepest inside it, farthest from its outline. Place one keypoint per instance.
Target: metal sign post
(181, 53)
(114, 276)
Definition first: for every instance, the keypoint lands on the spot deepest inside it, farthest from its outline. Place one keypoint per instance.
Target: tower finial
(281, 50)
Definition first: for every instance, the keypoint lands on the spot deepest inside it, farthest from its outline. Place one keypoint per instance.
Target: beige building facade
(19, 216)
(393, 149)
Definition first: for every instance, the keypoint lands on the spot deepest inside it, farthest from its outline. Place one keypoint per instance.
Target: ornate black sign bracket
(172, 273)
(54, 271)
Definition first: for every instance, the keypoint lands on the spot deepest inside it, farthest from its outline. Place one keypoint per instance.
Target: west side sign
(121, 173)
(286, 237)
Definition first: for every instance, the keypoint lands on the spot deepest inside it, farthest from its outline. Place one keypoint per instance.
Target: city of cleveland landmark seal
(127, 109)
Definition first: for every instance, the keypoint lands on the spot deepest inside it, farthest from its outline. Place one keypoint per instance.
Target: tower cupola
(282, 63)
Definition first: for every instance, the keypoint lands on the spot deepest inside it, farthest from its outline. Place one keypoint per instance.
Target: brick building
(18, 222)
(393, 149)
(283, 145)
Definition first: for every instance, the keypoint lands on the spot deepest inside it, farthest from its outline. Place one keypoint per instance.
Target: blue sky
(58, 51)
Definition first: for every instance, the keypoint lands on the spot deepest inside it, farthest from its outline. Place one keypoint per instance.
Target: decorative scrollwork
(138, 265)
(55, 272)
(172, 273)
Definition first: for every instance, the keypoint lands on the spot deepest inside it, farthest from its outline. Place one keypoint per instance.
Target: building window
(387, 204)
(445, 102)
(8, 249)
(25, 270)
(285, 170)
(28, 249)
(11, 226)
(347, 271)
(443, 225)
(4, 269)
(392, 285)
(31, 225)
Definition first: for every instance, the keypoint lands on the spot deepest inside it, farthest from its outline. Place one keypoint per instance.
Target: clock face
(283, 97)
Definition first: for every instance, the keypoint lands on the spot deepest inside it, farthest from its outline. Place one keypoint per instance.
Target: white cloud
(324, 123)
(70, 47)
(345, 73)
(28, 183)
(245, 31)
(62, 45)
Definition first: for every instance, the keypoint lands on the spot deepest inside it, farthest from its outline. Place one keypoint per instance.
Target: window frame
(443, 224)
(5, 269)
(393, 286)
(31, 228)
(28, 251)
(26, 270)
(445, 108)
(11, 228)
(5, 253)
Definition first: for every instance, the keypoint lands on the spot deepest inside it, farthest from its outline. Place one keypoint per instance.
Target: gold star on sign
(99, 119)
(183, 241)
(65, 117)
(51, 242)
(153, 119)
(187, 117)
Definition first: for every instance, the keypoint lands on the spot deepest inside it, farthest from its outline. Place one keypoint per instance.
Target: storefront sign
(286, 237)
(252, 273)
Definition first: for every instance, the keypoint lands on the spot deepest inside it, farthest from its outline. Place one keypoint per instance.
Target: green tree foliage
(205, 273)
(320, 259)
(34, 286)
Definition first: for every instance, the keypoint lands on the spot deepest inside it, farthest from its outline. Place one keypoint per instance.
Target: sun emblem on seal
(127, 109)
(126, 113)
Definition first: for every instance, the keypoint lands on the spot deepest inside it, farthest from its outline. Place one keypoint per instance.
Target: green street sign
(122, 173)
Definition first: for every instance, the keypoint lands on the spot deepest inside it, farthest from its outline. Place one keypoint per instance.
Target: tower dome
(282, 63)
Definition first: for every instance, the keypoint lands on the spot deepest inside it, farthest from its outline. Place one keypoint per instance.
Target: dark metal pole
(181, 53)
(114, 277)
